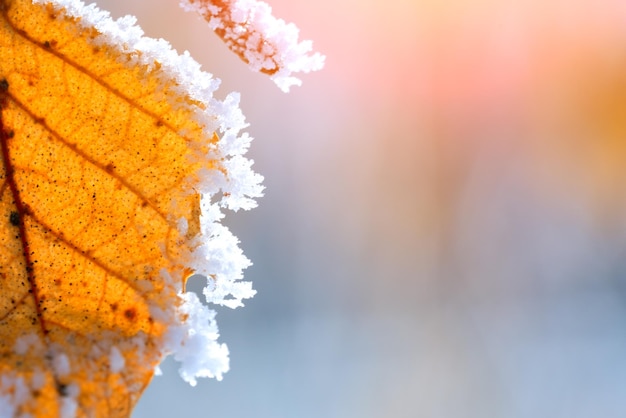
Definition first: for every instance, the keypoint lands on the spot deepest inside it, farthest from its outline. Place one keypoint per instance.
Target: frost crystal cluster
(267, 44)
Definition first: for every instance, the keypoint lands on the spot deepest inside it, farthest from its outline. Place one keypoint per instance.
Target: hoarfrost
(26, 342)
(69, 404)
(13, 393)
(61, 364)
(116, 360)
(267, 44)
(7, 406)
(198, 334)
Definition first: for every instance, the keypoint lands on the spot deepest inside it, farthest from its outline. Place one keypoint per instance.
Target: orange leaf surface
(101, 159)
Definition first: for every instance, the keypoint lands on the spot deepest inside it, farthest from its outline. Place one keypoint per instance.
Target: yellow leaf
(98, 208)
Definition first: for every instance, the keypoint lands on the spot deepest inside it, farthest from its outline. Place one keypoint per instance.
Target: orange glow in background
(444, 229)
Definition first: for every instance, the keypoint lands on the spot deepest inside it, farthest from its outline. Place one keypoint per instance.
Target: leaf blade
(74, 116)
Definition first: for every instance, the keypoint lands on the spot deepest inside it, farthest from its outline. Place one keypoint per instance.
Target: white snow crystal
(38, 380)
(25, 342)
(198, 334)
(61, 364)
(7, 407)
(116, 360)
(268, 44)
(13, 393)
(69, 404)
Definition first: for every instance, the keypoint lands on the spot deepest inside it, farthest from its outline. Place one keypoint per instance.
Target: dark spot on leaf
(61, 389)
(14, 218)
(4, 85)
(130, 314)
(114, 307)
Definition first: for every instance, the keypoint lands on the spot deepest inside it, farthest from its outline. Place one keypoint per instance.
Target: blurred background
(444, 228)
